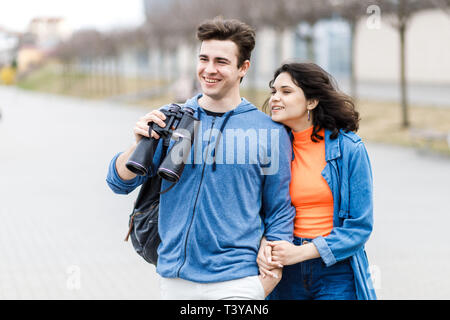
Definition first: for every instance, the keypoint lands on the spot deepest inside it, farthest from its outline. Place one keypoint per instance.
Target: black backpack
(143, 222)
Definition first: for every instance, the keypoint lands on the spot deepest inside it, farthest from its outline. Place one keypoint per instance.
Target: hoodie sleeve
(120, 186)
(117, 184)
(277, 209)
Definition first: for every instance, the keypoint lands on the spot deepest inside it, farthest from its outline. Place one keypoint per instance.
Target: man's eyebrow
(223, 59)
(217, 58)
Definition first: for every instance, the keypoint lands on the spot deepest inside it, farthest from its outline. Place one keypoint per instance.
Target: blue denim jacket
(349, 175)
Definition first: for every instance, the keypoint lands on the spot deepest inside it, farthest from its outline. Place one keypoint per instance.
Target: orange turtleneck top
(310, 193)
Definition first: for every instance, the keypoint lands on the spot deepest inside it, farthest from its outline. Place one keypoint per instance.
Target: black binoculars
(180, 126)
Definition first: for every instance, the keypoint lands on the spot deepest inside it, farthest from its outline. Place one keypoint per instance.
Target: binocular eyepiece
(180, 126)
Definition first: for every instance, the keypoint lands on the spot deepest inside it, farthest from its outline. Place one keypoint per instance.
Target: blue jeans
(312, 280)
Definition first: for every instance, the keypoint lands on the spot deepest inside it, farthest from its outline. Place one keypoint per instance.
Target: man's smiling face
(217, 69)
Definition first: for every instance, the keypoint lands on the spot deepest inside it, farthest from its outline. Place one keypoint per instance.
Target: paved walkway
(62, 229)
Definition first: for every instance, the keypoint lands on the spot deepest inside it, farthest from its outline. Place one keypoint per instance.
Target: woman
(331, 189)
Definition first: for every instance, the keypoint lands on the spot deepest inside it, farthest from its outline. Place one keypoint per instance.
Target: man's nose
(210, 68)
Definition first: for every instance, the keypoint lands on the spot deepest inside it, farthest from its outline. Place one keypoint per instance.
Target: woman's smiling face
(288, 103)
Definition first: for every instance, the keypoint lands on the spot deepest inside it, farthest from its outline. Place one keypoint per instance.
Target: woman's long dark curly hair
(335, 110)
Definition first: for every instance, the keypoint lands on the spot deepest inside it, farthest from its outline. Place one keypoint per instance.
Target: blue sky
(101, 14)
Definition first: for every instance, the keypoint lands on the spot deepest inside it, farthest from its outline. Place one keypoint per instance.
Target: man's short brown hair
(237, 31)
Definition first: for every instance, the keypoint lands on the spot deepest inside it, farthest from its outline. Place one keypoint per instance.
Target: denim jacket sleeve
(355, 213)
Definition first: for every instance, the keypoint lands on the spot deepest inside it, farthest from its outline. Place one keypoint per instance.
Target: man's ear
(312, 104)
(244, 68)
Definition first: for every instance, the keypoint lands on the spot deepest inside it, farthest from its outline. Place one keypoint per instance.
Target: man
(235, 188)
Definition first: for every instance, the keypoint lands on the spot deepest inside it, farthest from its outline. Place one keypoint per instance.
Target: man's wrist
(121, 161)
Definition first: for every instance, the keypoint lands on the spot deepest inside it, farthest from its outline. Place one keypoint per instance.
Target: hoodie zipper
(195, 203)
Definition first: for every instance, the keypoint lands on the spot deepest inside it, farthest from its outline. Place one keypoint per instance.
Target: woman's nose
(275, 97)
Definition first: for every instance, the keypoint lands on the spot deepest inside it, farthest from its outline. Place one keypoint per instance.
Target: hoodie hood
(244, 106)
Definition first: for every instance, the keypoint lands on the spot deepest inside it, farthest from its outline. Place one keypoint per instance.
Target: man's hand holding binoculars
(142, 126)
(141, 129)
(154, 125)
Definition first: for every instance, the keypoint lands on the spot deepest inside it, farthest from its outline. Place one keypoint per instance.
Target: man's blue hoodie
(234, 190)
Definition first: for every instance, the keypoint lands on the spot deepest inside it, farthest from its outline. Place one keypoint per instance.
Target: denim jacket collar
(332, 147)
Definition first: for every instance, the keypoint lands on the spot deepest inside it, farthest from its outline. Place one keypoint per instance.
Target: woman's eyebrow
(282, 87)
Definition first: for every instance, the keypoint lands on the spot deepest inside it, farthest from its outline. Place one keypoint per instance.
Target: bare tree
(444, 5)
(399, 13)
(352, 11)
(310, 13)
(279, 15)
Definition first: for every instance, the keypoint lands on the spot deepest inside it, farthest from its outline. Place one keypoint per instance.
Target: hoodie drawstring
(199, 115)
(227, 117)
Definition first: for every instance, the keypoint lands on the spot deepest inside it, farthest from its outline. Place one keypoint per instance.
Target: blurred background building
(49, 32)
(376, 59)
(360, 47)
(9, 42)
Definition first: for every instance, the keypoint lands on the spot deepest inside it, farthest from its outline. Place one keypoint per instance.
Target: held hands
(274, 270)
(265, 263)
(142, 126)
(285, 253)
(276, 254)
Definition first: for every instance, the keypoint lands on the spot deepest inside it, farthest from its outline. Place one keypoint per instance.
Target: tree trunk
(279, 46)
(403, 83)
(353, 89)
(310, 52)
(117, 77)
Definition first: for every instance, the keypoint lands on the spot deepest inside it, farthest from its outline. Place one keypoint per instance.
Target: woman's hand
(288, 253)
(264, 260)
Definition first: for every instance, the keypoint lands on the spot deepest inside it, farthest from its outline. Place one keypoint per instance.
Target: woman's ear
(312, 103)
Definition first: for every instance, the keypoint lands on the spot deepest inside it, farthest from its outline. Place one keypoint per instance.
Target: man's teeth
(211, 80)
(277, 108)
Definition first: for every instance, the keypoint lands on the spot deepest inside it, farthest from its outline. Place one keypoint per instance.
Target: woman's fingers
(269, 252)
(264, 264)
(265, 272)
